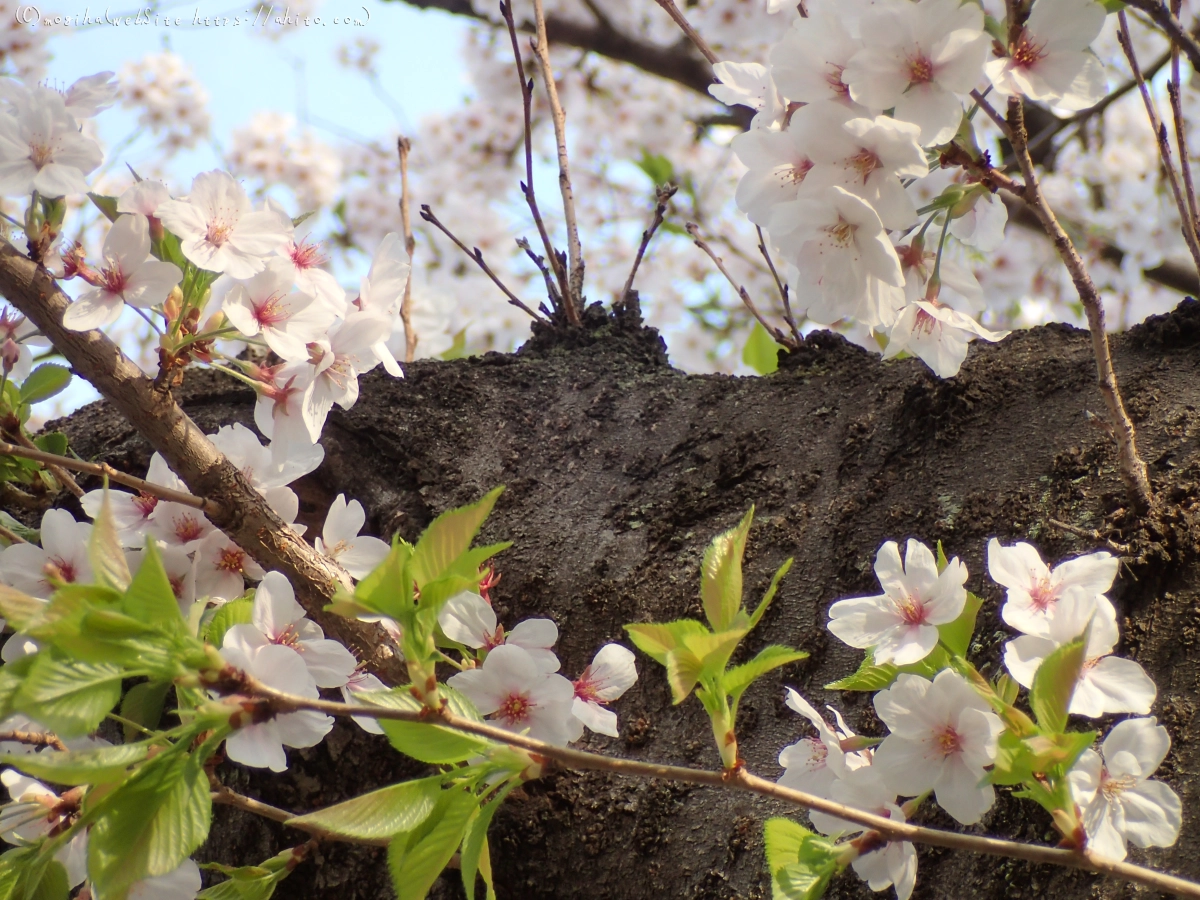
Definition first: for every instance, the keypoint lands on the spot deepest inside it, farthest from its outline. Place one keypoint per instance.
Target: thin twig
(784, 294)
(540, 262)
(662, 197)
(226, 797)
(1187, 222)
(1091, 534)
(403, 146)
(686, 27)
(1169, 23)
(477, 255)
(694, 230)
(1185, 165)
(739, 778)
(991, 113)
(61, 475)
(33, 739)
(102, 470)
(11, 536)
(527, 184)
(541, 48)
(1131, 466)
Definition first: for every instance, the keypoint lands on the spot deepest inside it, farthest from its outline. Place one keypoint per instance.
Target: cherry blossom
(893, 864)
(1108, 684)
(62, 557)
(1120, 801)
(301, 258)
(901, 623)
(1034, 590)
(809, 62)
(813, 765)
(179, 525)
(91, 95)
(279, 411)
(287, 320)
(920, 58)
(361, 683)
(131, 512)
(943, 736)
(218, 230)
(519, 695)
(278, 619)
(381, 292)
(982, 225)
(749, 84)
(337, 362)
(221, 568)
(269, 472)
(128, 275)
(42, 150)
(340, 539)
(937, 334)
(777, 163)
(611, 674)
(34, 813)
(181, 883)
(144, 197)
(260, 745)
(1051, 61)
(468, 619)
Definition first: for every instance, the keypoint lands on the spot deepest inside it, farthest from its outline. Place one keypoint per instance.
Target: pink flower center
(112, 279)
(515, 709)
(491, 641)
(61, 569)
(1028, 52)
(864, 163)
(287, 638)
(920, 69)
(1112, 788)
(231, 559)
(925, 322)
(307, 256)
(218, 232)
(10, 324)
(948, 741)
(188, 528)
(912, 610)
(1043, 596)
(177, 586)
(587, 688)
(797, 173)
(270, 312)
(145, 504)
(833, 78)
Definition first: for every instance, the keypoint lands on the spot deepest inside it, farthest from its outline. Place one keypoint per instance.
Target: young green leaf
(739, 678)
(382, 813)
(68, 697)
(387, 590)
(150, 598)
(96, 766)
(109, 566)
(52, 442)
(699, 656)
(143, 703)
(657, 639)
(250, 882)
(427, 743)
(475, 846)
(418, 857)
(20, 610)
(106, 205)
(44, 382)
(761, 352)
(448, 536)
(957, 634)
(770, 594)
(235, 612)
(721, 574)
(869, 677)
(801, 863)
(1054, 683)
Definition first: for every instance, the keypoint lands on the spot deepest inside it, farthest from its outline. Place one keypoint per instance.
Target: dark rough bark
(619, 471)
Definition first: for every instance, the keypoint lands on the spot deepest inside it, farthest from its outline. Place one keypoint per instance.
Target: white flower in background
(1108, 684)
(272, 148)
(611, 673)
(808, 64)
(893, 864)
(279, 409)
(1034, 590)
(430, 315)
(839, 247)
(360, 683)
(42, 150)
(937, 334)
(982, 226)
(382, 292)
(128, 275)
(32, 815)
(901, 623)
(91, 95)
(340, 539)
(218, 230)
(469, 620)
(181, 883)
(287, 320)
(519, 695)
(63, 556)
(260, 745)
(813, 765)
(943, 736)
(920, 58)
(170, 100)
(337, 361)
(179, 525)
(144, 198)
(1051, 61)
(749, 84)
(278, 619)
(222, 567)
(1120, 801)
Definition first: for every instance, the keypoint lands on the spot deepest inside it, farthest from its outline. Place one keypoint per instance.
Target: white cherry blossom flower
(937, 334)
(749, 84)
(809, 62)
(278, 619)
(340, 539)
(42, 150)
(918, 262)
(1034, 590)
(268, 471)
(129, 275)
(943, 736)
(813, 765)
(893, 864)
(279, 411)
(218, 230)
(260, 745)
(181, 883)
(901, 623)
(337, 361)
(361, 683)
(982, 226)
(32, 815)
(1108, 684)
(468, 619)
(1051, 61)
(179, 525)
(920, 58)
(1120, 801)
(381, 291)
(611, 673)
(221, 568)
(287, 320)
(63, 556)
(91, 95)
(144, 198)
(131, 512)
(518, 695)
(839, 248)
(302, 259)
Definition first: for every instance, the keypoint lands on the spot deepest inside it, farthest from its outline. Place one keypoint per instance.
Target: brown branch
(1185, 164)
(210, 508)
(541, 48)
(477, 255)
(694, 230)
(1163, 18)
(662, 197)
(243, 514)
(226, 797)
(739, 778)
(1132, 467)
(991, 113)
(403, 146)
(1091, 534)
(33, 739)
(686, 27)
(784, 295)
(53, 464)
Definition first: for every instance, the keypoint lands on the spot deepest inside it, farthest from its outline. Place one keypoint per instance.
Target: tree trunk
(620, 469)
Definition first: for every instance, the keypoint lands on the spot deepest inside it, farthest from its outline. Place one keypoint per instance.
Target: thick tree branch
(243, 513)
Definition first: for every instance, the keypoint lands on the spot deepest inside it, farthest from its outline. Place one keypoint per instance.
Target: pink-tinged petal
(57, 180)
(907, 695)
(534, 634)
(906, 765)
(979, 733)
(595, 717)
(1104, 824)
(1018, 566)
(329, 663)
(906, 644)
(949, 597)
(862, 622)
(1113, 685)
(612, 672)
(480, 689)
(74, 859)
(152, 284)
(275, 606)
(364, 555)
(1069, 24)
(182, 219)
(468, 619)
(1091, 574)
(344, 520)
(888, 567)
(257, 746)
(128, 242)
(936, 111)
(240, 643)
(96, 308)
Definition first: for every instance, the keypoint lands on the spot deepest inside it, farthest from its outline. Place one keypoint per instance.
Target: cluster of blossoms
(171, 103)
(943, 735)
(271, 148)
